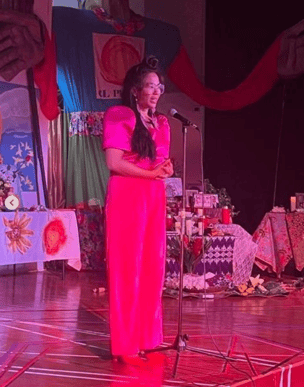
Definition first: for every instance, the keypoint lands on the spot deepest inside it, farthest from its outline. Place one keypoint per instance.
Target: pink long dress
(135, 239)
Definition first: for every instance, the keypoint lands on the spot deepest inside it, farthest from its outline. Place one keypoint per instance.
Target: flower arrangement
(256, 286)
(192, 250)
(5, 188)
(224, 198)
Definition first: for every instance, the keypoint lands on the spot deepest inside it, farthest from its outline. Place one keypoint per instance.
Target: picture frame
(300, 201)
(189, 194)
(210, 200)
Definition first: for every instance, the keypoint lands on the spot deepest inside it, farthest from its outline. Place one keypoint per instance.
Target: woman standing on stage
(136, 142)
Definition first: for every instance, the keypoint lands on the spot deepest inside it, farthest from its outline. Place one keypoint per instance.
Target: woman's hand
(116, 164)
(168, 168)
(163, 170)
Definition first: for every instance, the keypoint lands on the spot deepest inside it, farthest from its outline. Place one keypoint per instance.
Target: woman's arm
(116, 164)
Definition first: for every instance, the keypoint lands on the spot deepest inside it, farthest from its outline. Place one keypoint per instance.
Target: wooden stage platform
(54, 332)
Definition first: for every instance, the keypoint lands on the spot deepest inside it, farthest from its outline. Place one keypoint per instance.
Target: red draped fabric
(258, 83)
(46, 79)
(182, 73)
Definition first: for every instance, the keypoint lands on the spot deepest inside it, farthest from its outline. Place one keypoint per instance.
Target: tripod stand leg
(176, 363)
(180, 345)
(253, 370)
(157, 349)
(232, 345)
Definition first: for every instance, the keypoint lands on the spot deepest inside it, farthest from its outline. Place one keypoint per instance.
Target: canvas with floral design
(16, 146)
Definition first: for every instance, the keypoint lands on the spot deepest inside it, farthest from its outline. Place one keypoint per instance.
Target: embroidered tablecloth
(280, 238)
(274, 247)
(217, 260)
(232, 254)
(243, 253)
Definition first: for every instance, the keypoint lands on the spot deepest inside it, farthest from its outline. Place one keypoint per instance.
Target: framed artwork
(300, 201)
(210, 200)
(190, 196)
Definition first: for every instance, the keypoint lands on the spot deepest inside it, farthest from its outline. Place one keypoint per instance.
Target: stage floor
(54, 332)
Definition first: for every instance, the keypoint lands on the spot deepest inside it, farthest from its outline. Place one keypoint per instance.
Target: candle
(178, 227)
(292, 203)
(200, 212)
(225, 215)
(200, 228)
(169, 222)
(189, 227)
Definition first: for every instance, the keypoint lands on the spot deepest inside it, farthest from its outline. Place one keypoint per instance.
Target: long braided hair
(141, 142)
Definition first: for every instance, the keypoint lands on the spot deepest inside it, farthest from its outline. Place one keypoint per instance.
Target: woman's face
(148, 95)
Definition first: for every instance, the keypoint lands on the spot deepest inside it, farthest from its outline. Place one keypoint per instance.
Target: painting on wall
(16, 145)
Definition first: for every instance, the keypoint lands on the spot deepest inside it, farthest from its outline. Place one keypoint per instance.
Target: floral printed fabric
(295, 223)
(17, 233)
(274, 248)
(86, 124)
(19, 174)
(91, 237)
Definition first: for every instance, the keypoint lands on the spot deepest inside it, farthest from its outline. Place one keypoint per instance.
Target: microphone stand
(180, 342)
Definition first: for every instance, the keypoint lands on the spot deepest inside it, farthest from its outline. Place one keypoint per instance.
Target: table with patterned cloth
(227, 255)
(295, 224)
(232, 254)
(280, 237)
(39, 236)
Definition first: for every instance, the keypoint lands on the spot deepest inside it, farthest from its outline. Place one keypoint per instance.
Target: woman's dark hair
(141, 142)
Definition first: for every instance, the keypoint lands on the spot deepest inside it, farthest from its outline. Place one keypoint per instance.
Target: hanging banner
(114, 55)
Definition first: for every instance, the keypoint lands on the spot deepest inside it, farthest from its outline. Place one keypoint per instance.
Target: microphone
(173, 113)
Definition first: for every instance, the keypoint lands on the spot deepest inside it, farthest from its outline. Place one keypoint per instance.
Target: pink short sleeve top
(118, 126)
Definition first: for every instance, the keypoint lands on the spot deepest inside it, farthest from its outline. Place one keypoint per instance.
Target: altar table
(231, 254)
